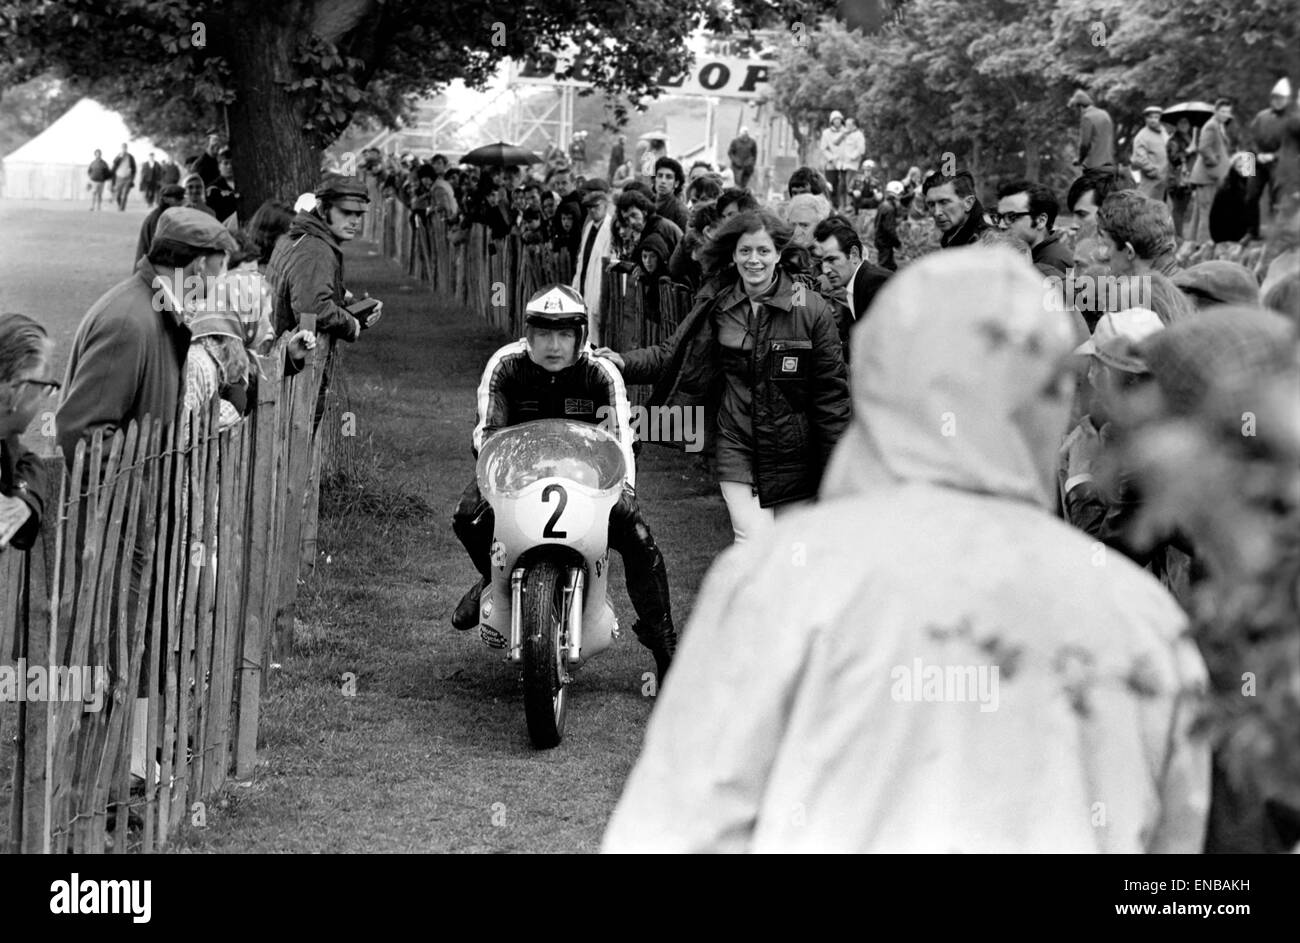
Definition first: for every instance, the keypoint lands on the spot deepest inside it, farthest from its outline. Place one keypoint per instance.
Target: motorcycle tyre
(546, 697)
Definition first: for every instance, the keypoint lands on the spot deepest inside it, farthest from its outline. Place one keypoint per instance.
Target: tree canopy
(286, 78)
(987, 80)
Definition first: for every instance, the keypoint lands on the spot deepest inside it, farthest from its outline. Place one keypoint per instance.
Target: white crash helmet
(557, 306)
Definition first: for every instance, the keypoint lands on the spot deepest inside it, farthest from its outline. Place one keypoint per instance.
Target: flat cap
(336, 187)
(184, 226)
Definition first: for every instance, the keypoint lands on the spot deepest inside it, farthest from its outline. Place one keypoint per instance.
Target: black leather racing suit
(514, 389)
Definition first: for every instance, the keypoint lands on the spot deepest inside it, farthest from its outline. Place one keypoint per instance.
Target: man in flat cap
(306, 268)
(1151, 154)
(129, 352)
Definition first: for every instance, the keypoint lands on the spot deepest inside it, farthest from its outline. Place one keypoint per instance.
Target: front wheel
(545, 621)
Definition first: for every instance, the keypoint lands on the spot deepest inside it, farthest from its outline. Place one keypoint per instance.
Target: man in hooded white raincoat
(928, 660)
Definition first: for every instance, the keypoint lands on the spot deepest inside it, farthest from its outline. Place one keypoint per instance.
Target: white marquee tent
(52, 165)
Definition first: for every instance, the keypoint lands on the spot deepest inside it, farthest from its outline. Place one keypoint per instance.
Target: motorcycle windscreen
(517, 456)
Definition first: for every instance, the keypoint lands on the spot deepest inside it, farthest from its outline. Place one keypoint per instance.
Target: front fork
(573, 592)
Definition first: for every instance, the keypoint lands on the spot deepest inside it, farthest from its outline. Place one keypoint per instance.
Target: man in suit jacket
(852, 281)
(1213, 161)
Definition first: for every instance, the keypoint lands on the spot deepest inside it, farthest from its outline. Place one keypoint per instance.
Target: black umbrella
(1196, 112)
(500, 154)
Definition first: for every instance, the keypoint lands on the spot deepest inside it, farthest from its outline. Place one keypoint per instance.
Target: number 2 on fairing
(549, 530)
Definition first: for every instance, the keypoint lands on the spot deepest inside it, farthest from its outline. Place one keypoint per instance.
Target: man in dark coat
(169, 173)
(221, 193)
(852, 281)
(887, 239)
(1265, 137)
(150, 171)
(1028, 212)
(743, 154)
(1096, 134)
(129, 351)
(617, 155)
(954, 207)
(99, 173)
(637, 216)
(668, 183)
(306, 267)
(206, 164)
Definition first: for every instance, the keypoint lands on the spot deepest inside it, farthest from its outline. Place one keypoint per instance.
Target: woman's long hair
(269, 223)
(718, 257)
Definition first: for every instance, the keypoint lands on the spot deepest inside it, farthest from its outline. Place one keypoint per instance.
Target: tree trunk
(274, 157)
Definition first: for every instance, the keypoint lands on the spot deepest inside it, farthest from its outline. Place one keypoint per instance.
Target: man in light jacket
(967, 678)
(1213, 161)
(1150, 154)
(594, 247)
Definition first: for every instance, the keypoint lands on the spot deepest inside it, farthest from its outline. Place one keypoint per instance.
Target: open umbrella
(1196, 112)
(500, 154)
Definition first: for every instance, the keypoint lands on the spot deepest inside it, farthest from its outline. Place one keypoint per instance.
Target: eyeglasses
(1008, 218)
(50, 386)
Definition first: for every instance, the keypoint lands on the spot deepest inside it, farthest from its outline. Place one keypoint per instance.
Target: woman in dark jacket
(25, 361)
(760, 360)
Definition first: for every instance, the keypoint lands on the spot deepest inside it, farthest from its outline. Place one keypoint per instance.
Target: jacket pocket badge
(791, 360)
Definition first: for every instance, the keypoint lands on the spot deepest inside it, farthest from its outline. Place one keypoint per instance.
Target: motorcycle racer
(551, 374)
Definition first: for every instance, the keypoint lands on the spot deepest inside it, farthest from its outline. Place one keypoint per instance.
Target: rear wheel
(546, 700)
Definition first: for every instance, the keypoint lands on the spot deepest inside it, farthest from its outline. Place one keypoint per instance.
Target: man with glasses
(1028, 211)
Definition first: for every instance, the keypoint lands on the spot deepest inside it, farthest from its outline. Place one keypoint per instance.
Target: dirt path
(431, 754)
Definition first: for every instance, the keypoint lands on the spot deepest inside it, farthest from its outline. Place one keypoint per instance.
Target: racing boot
(662, 642)
(466, 614)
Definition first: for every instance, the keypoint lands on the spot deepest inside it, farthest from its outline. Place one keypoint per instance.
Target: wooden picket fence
(496, 278)
(171, 561)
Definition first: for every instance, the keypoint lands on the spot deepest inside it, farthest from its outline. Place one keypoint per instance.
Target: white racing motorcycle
(551, 484)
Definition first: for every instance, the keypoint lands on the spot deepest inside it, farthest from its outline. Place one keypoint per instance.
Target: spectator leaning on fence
(25, 361)
(130, 349)
(306, 268)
